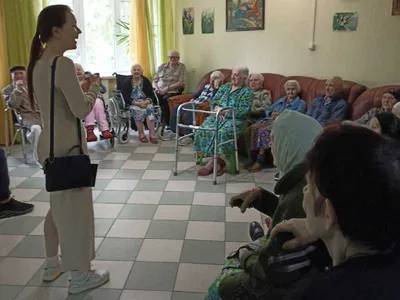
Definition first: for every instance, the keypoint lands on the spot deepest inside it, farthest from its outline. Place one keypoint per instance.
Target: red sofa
(360, 98)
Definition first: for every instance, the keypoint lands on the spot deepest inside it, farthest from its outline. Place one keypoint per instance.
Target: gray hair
(243, 70)
(79, 66)
(137, 65)
(337, 81)
(293, 82)
(257, 75)
(396, 106)
(218, 74)
(172, 52)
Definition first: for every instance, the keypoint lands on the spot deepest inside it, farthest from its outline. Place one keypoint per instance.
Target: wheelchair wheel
(113, 116)
(123, 137)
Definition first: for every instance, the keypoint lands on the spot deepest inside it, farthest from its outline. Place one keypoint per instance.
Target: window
(97, 49)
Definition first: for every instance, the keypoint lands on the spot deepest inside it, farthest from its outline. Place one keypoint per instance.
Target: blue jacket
(328, 112)
(297, 104)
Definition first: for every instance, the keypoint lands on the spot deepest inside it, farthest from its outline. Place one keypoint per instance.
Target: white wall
(370, 55)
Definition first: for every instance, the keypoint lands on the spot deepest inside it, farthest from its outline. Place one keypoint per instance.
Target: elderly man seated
(16, 97)
(330, 108)
(169, 81)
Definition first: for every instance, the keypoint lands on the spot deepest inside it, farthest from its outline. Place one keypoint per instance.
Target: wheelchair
(120, 113)
(20, 128)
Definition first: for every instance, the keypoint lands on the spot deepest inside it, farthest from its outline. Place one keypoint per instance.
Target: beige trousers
(73, 216)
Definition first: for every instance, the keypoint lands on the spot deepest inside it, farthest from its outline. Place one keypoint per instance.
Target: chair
(234, 160)
(20, 129)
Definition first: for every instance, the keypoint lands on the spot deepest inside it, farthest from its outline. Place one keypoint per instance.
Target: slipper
(143, 139)
(154, 140)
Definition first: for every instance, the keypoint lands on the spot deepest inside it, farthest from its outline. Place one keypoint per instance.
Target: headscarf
(395, 93)
(390, 124)
(294, 135)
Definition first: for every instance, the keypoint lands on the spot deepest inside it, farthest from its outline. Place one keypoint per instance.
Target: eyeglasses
(177, 57)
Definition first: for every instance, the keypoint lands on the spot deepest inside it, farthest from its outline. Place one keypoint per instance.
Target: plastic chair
(233, 159)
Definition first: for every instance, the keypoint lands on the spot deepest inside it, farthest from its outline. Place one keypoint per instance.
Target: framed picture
(345, 21)
(188, 20)
(396, 8)
(245, 15)
(207, 20)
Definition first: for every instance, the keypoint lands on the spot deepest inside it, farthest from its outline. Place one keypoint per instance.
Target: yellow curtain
(166, 12)
(17, 27)
(139, 28)
(4, 74)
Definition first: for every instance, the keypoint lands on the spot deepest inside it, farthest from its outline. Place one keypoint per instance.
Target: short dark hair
(358, 170)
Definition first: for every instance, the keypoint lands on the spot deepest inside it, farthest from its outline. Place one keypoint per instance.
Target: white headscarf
(294, 135)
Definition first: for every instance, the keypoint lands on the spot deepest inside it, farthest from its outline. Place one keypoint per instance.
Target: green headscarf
(294, 135)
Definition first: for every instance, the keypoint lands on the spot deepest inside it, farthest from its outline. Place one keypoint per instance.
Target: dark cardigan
(372, 277)
(147, 90)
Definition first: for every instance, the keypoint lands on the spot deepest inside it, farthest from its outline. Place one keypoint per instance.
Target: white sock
(52, 262)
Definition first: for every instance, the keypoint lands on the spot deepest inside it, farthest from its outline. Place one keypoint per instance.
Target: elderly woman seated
(98, 112)
(352, 204)
(261, 96)
(202, 96)
(389, 99)
(260, 132)
(138, 93)
(236, 95)
(263, 269)
(396, 109)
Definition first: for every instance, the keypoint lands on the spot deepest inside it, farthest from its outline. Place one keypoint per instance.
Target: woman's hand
(191, 100)
(274, 114)
(216, 108)
(245, 200)
(298, 228)
(163, 91)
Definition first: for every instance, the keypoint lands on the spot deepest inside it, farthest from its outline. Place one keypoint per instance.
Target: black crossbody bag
(67, 172)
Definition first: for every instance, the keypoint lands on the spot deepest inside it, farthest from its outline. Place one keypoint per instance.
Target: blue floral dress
(240, 100)
(138, 113)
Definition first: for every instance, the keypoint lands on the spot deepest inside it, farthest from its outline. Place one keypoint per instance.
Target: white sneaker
(186, 141)
(168, 135)
(88, 280)
(50, 274)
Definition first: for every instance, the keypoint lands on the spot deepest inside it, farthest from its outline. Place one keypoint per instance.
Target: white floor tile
(8, 242)
(206, 231)
(164, 157)
(172, 212)
(117, 156)
(212, 199)
(25, 194)
(139, 197)
(160, 250)
(146, 150)
(129, 228)
(136, 164)
(18, 271)
(40, 210)
(181, 186)
(157, 174)
(107, 211)
(16, 181)
(121, 185)
(106, 173)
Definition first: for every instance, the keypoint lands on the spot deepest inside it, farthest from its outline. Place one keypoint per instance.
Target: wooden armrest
(177, 100)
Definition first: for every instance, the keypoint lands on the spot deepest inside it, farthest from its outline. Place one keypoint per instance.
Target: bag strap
(52, 89)
(52, 95)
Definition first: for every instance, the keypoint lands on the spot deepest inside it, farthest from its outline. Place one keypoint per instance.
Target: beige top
(167, 75)
(70, 103)
(17, 98)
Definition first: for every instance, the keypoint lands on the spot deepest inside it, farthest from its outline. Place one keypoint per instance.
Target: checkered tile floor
(162, 237)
